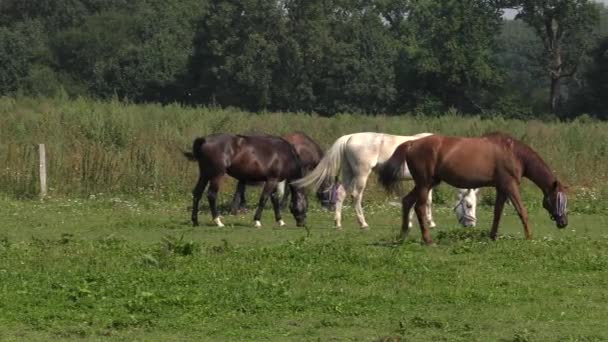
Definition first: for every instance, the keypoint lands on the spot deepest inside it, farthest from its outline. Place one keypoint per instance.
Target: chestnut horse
(310, 154)
(493, 160)
(250, 159)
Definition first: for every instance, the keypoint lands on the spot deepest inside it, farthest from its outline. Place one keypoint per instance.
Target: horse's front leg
(515, 198)
(269, 188)
(499, 204)
(214, 187)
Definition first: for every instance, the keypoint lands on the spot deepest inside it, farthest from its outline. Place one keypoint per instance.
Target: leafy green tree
(524, 86)
(236, 51)
(141, 55)
(20, 48)
(449, 52)
(357, 69)
(564, 27)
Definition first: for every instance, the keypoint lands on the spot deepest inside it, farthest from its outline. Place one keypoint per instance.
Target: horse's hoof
(366, 227)
(281, 223)
(339, 228)
(432, 224)
(194, 224)
(257, 224)
(218, 222)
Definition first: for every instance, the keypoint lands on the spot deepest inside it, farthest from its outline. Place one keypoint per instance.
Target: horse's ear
(476, 191)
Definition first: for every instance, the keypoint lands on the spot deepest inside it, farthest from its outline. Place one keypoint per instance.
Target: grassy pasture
(135, 270)
(111, 254)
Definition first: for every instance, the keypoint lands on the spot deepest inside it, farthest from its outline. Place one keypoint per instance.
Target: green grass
(111, 254)
(122, 269)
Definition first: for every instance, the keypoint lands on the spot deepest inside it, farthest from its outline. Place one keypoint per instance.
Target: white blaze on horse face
(466, 207)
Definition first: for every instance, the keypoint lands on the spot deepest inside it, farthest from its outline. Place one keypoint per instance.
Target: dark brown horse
(251, 159)
(493, 160)
(310, 154)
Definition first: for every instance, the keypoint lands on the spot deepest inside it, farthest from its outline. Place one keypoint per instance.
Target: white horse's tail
(328, 167)
(281, 189)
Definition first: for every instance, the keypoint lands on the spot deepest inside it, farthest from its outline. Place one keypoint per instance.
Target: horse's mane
(524, 152)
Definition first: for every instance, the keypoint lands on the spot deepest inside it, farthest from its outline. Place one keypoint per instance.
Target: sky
(509, 14)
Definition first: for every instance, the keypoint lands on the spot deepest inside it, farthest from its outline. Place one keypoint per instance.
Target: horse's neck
(536, 170)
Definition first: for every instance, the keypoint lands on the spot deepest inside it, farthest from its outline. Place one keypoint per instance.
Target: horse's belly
(251, 176)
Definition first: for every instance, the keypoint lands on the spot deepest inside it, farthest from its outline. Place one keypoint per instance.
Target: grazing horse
(357, 155)
(493, 160)
(248, 159)
(310, 154)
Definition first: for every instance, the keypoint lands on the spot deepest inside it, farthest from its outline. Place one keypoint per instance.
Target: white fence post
(42, 154)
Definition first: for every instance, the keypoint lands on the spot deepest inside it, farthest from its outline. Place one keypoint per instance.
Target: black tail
(391, 171)
(196, 149)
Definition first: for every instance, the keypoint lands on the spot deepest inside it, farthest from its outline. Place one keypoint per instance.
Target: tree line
(324, 56)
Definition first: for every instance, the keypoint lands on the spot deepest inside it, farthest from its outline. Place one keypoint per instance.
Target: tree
(448, 52)
(565, 28)
(236, 51)
(21, 47)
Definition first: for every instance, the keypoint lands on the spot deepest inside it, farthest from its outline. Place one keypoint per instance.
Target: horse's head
(466, 207)
(327, 194)
(555, 202)
(298, 206)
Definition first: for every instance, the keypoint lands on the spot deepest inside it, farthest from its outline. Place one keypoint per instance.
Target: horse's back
(460, 161)
(309, 152)
(266, 157)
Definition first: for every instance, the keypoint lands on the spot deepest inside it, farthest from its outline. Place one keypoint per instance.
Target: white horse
(357, 155)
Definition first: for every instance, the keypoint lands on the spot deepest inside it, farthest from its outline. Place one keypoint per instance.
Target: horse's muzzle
(560, 221)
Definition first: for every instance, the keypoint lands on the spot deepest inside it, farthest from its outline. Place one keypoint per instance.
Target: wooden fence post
(42, 155)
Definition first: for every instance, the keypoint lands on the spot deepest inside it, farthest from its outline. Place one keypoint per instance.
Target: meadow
(111, 255)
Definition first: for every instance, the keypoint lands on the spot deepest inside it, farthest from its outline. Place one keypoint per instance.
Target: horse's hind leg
(238, 200)
(340, 197)
(285, 194)
(428, 215)
(343, 187)
(214, 187)
(357, 193)
(422, 195)
(197, 193)
(406, 206)
(269, 188)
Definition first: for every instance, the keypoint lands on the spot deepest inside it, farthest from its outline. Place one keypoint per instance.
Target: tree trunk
(555, 92)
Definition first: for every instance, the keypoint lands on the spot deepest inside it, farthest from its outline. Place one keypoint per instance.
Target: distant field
(136, 270)
(116, 148)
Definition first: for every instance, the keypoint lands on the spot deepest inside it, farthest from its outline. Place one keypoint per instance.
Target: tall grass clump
(115, 147)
